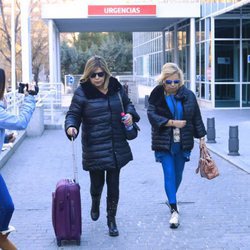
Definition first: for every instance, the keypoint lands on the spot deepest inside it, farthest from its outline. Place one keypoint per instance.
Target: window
(246, 28)
(227, 61)
(246, 61)
(245, 95)
(227, 95)
(227, 28)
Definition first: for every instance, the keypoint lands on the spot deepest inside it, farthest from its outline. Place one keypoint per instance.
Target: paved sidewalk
(214, 214)
(223, 120)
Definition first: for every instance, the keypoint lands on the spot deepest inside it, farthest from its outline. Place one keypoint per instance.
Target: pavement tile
(214, 214)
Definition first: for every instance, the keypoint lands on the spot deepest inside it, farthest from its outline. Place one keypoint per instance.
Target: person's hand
(202, 142)
(179, 123)
(31, 86)
(12, 137)
(72, 132)
(129, 120)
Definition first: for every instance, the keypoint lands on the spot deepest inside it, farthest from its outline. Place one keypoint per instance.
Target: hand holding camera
(28, 88)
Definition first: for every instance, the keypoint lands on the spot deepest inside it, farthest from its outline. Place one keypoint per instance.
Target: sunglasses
(172, 81)
(99, 74)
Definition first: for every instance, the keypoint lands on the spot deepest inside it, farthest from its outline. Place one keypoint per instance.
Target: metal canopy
(115, 24)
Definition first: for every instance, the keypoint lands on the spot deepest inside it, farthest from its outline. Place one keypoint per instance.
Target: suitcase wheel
(78, 242)
(59, 243)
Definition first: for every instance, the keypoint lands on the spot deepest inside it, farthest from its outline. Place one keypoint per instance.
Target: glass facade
(147, 54)
(222, 54)
(232, 60)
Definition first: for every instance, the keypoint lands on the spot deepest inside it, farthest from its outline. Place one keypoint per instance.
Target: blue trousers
(6, 205)
(173, 165)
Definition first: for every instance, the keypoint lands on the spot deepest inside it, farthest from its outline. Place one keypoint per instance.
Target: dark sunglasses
(172, 81)
(99, 74)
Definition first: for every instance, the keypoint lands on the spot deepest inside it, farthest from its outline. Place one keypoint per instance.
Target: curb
(239, 166)
(6, 154)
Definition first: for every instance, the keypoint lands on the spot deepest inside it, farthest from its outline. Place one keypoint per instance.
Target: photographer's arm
(18, 122)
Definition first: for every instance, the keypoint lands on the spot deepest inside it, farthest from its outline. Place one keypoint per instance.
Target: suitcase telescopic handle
(75, 172)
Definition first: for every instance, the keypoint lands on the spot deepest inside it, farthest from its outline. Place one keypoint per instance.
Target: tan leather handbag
(206, 166)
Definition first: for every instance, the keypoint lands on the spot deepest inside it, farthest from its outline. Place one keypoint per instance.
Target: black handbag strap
(134, 123)
(120, 98)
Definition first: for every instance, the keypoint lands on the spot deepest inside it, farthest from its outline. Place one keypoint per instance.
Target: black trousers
(97, 180)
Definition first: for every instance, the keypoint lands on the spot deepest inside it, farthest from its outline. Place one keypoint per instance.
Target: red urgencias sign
(122, 10)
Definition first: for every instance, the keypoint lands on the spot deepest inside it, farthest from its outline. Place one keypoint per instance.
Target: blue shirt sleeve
(18, 122)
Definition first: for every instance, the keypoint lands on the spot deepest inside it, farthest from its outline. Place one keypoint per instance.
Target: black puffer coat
(159, 114)
(104, 145)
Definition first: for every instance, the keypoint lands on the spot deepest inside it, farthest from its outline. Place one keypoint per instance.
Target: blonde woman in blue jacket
(175, 118)
(11, 122)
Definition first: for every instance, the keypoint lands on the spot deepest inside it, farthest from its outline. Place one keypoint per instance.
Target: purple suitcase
(66, 209)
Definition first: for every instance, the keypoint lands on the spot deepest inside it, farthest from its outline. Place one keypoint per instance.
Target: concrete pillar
(58, 56)
(211, 130)
(233, 142)
(53, 52)
(212, 63)
(36, 124)
(13, 51)
(192, 55)
(26, 41)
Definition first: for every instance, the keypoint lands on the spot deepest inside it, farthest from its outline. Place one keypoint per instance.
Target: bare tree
(39, 38)
(5, 32)
(39, 35)
(5, 37)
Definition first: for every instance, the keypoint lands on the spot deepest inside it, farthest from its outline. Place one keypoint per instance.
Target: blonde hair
(169, 69)
(91, 65)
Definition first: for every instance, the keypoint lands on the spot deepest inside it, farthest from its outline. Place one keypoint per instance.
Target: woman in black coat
(97, 107)
(175, 118)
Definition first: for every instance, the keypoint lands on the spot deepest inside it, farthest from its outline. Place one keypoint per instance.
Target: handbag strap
(203, 151)
(120, 98)
(134, 123)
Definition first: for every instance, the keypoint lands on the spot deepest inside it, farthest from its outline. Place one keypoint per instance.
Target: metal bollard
(146, 101)
(233, 142)
(211, 130)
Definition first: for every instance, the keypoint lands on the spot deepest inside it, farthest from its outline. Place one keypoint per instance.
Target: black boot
(95, 208)
(111, 213)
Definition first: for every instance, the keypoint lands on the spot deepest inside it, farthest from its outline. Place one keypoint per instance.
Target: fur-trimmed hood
(157, 96)
(91, 92)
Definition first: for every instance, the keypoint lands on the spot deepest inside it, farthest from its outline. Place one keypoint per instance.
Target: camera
(25, 86)
(22, 86)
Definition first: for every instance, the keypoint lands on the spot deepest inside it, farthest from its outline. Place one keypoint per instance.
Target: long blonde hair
(169, 69)
(93, 63)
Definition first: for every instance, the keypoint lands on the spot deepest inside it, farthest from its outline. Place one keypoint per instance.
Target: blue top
(175, 107)
(16, 122)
